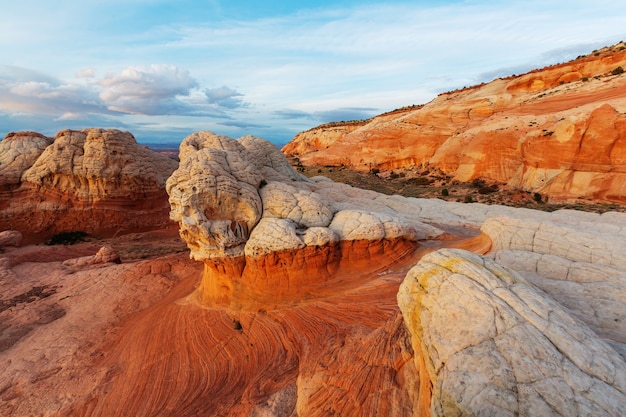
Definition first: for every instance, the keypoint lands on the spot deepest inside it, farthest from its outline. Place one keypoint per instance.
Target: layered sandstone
(559, 131)
(257, 218)
(97, 181)
(298, 301)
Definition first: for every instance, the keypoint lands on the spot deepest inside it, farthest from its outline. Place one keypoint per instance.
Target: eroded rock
(97, 181)
(559, 131)
(494, 344)
(238, 200)
(10, 238)
(105, 255)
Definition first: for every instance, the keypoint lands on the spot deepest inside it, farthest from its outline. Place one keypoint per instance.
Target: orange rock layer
(65, 212)
(560, 131)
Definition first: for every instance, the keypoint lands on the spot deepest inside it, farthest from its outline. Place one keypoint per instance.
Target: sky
(163, 69)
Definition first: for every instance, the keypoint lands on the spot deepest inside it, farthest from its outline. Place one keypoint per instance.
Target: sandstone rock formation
(237, 210)
(10, 238)
(493, 344)
(57, 323)
(290, 304)
(97, 181)
(104, 255)
(559, 131)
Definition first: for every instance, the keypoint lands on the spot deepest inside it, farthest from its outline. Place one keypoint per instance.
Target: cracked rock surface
(494, 344)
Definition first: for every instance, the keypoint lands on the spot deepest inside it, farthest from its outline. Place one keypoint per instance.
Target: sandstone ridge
(559, 131)
(97, 181)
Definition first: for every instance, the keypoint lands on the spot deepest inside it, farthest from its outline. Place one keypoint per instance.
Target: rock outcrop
(10, 238)
(105, 255)
(97, 181)
(491, 343)
(559, 131)
(257, 218)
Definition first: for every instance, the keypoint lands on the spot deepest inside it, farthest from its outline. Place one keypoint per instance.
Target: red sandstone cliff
(560, 131)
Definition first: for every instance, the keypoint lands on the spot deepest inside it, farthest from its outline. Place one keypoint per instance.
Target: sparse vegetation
(617, 71)
(437, 184)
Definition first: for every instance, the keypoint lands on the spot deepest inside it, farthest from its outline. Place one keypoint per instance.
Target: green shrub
(617, 71)
(445, 192)
(468, 199)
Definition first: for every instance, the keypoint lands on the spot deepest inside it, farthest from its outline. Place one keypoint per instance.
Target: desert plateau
(465, 257)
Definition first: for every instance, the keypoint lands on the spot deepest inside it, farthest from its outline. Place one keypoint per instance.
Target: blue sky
(163, 69)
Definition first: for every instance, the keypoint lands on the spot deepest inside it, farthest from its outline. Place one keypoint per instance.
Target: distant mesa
(559, 131)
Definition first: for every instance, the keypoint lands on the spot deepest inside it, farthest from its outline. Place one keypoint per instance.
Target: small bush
(537, 197)
(67, 238)
(478, 183)
(445, 192)
(468, 199)
(423, 181)
(375, 171)
(488, 189)
(617, 71)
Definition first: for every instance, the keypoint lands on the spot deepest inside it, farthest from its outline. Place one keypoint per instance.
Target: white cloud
(224, 97)
(86, 73)
(31, 92)
(153, 90)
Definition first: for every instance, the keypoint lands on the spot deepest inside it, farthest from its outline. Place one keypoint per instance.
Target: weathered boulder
(214, 195)
(97, 181)
(105, 255)
(491, 343)
(577, 258)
